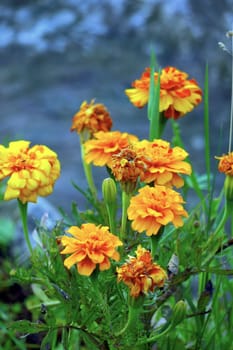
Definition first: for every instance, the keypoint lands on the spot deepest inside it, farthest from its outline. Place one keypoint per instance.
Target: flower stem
(125, 203)
(228, 210)
(111, 218)
(154, 240)
(23, 214)
(87, 170)
(135, 308)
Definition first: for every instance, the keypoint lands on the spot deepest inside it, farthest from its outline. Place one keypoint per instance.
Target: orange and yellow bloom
(225, 164)
(100, 149)
(91, 117)
(163, 164)
(32, 171)
(141, 274)
(178, 94)
(90, 245)
(155, 207)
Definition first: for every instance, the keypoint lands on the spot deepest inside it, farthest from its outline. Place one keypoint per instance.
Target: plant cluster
(136, 269)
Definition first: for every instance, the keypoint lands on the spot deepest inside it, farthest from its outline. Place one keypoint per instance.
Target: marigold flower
(32, 171)
(178, 95)
(163, 164)
(91, 117)
(155, 207)
(100, 149)
(127, 167)
(89, 246)
(141, 274)
(225, 164)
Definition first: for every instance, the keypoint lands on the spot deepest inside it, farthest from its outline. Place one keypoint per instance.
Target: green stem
(154, 240)
(23, 214)
(125, 203)
(156, 337)
(135, 308)
(111, 218)
(227, 212)
(87, 170)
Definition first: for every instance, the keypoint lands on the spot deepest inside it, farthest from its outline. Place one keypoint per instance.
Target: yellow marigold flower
(91, 117)
(100, 150)
(163, 164)
(32, 171)
(141, 274)
(178, 95)
(127, 167)
(89, 246)
(154, 207)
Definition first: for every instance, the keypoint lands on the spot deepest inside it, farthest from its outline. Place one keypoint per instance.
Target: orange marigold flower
(127, 167)
(225, 164)
(155, 207)
(163, 164)
(32, 171)
(89, 246)
(141, 274)
(91, 117)
(178, 95)
(100, 150)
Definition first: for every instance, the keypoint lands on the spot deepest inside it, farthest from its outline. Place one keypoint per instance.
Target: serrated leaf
(24, 326)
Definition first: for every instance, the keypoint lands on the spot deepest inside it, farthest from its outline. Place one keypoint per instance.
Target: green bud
(179, 313)
(109, 191)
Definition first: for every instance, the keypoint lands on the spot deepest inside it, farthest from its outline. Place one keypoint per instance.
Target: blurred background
(55, 54)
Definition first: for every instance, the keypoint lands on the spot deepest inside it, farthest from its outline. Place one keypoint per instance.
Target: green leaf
(206, 128)
(49, 340)
(153, 102)
(24, 326)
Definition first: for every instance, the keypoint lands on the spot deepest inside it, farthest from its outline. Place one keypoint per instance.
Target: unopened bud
(179, 313)
(109, 191)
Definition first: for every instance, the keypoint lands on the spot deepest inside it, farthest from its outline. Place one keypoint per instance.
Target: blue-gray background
(55, 54)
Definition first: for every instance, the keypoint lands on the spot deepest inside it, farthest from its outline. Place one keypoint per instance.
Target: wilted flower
(154, 207)
(89, 246)
(178, 95)
(100, 150)
(225, 166)
(127, 167)
(91, 117)
(32, 171)
(141, 274)
(163, 164)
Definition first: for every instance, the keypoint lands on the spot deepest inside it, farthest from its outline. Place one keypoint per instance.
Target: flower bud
(179, 313)
(109, 191)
